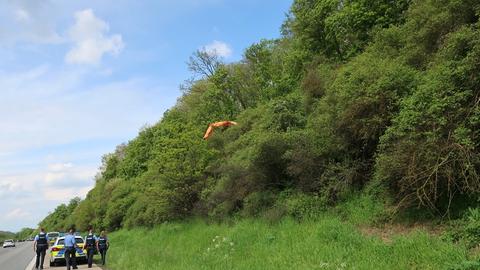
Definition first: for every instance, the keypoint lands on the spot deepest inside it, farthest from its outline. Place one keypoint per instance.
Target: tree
(203, 63)
(342, 29)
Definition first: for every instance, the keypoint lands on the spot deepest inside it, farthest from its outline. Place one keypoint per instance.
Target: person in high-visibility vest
(90, 245)
(102, 246)
(40, 246)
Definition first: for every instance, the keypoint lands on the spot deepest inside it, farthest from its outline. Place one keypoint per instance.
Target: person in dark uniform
(40, 246)
(103, 245)
(90, 241)
(70, 250)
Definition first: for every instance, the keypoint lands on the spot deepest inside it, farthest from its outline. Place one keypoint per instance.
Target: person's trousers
(103, 253)
(71, 257)
(40, 257)
(90, 252)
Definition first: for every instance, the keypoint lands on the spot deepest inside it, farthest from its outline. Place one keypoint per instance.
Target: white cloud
(52, 177)
(65, 194)
(66, 175)
(22, 15)
(17, 213)
(5, 188)
(90, 39)
(218, 48)
(49, 107)
(56, 167)
(28, 21)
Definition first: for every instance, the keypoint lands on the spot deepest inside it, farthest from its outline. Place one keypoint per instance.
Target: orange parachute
(209, 131)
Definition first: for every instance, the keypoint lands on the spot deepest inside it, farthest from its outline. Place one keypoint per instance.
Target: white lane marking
(31, 264)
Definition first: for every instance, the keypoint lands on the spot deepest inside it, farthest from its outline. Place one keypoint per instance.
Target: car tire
(52, 263)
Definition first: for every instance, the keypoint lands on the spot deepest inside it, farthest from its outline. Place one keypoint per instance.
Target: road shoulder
(46, 265)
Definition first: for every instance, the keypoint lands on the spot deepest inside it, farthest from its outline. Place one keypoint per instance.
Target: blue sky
(78, 78)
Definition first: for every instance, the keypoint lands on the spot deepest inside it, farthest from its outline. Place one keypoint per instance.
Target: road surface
(19, 257)
(16, 258)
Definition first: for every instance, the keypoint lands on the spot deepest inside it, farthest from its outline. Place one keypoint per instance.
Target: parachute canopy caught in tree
(209, 131)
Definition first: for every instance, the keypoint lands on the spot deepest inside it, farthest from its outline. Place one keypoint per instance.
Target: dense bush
(304, 207)
(466, 229)
(430, 153)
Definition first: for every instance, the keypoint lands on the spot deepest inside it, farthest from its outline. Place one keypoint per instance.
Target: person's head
(90, 230)
(102, 234)
(71, 231)
(42, 229)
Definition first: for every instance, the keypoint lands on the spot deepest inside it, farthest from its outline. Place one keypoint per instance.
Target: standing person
(90, 241)
(40, 246)
(103, 245)
(70, 249)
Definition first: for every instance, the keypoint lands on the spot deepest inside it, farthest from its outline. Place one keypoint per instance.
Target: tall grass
(327, 243)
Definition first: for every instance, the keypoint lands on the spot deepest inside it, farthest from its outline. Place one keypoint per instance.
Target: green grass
(361, 209)
(327, 243)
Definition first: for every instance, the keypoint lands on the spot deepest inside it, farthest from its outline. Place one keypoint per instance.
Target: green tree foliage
(6, 235)
(355, 94)
(341, 29)
(25, 233)
(430, 153)
(61, 219)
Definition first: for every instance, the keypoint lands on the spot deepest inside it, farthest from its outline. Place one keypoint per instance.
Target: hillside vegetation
(25, 233)
(379, 98)
(6, 235)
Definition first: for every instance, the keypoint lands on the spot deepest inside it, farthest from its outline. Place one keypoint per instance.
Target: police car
(57, 252)
(52, 236)
(8, 243)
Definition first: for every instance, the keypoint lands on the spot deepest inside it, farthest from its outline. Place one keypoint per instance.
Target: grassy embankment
(329, 242)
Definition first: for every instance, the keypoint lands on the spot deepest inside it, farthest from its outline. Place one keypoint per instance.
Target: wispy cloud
(6, 188)
(63, 194)
(17, 213)
(28, 21)
(218, 48)
(22, 15)
(66, 175)
(58, 167)
(44, 108)
(47, 107)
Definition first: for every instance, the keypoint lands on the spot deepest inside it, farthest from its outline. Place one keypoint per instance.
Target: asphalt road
(16, 258)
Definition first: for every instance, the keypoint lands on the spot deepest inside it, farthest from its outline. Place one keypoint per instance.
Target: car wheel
(52, 263)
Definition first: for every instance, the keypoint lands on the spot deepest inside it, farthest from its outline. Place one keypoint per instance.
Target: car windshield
(8, 241)
(52, 235)
(77, 240)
